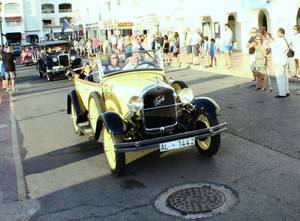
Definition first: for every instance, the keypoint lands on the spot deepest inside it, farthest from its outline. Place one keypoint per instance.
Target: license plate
(177, 144)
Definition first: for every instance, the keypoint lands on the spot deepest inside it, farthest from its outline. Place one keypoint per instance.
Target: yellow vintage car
(126, 102)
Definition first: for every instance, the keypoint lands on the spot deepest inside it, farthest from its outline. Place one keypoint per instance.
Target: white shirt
(188, 39)
(296, 43)
(228, 37)
(195, 38)
(279, 51)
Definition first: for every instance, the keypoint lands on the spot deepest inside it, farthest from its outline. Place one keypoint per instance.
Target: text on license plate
(177, 144)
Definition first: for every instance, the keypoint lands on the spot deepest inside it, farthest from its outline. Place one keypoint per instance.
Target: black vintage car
(55, 58)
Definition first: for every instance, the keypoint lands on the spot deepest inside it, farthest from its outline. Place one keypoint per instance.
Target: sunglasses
(115, 58)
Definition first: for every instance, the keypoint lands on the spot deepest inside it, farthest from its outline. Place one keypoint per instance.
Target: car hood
(122, 87)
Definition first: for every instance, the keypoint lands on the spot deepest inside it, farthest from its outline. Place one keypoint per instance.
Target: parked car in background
(16, 48)
(54, 59)
(28, 54)
(129, 104)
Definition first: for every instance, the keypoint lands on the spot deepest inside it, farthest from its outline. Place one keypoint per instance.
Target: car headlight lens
(72, 58)
(186, 95)
(54, 59)
(135, 104)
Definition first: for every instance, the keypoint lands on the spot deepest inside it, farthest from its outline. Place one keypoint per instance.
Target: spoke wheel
(207, 146)
(94, 113)
(115, 161)
(74, 120)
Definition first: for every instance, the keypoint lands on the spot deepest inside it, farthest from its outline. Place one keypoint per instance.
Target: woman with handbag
(260, 63)
(296, 47)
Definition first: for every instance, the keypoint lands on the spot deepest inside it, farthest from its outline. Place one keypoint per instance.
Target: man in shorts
(228, 45)
(9, 62)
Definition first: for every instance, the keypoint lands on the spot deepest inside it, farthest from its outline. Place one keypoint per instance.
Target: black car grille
(159, 108)
(64, 60)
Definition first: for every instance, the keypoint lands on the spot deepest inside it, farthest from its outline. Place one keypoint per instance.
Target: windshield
(120, 62)
(56, 48)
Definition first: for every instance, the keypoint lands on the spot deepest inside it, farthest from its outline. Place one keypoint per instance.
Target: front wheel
(116, 161)
(207, 146)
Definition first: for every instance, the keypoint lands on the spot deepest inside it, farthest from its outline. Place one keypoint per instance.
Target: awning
(13, 19)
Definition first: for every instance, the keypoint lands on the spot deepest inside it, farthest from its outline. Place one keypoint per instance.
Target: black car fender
(113, 123)
(206, 105)
(72, 98)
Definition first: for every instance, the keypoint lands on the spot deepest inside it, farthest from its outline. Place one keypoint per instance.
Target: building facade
(208, 16)
(35, 20)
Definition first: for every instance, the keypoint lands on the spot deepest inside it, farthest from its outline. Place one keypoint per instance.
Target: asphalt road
(67, 178)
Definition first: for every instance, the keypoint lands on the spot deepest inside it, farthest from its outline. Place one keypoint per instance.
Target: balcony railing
(47, 11)
(65, 10)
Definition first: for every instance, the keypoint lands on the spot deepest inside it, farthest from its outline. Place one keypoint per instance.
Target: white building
(208, 16)
(30, 20)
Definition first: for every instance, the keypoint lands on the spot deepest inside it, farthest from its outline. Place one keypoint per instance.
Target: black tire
(178, 86)
(26, 64)
(209, 146)
(74, 119)
(117, 165)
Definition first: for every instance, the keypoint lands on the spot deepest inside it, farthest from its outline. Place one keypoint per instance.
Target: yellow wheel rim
(109, 149)
(93, 114)
(74, 118)
(204, 144)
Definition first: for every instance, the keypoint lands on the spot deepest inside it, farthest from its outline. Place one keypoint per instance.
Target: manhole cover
(194, 201)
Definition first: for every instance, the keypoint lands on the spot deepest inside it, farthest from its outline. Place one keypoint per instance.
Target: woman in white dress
(296, 47)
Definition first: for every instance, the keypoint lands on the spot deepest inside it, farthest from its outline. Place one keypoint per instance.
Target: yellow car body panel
(117, 89)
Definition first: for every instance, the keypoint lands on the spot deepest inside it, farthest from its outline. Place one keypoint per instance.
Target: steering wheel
(147, 65)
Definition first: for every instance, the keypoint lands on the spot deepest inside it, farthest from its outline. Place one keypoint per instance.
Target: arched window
(12, 9)
(65, 7)
(47, 8)
(61, 20)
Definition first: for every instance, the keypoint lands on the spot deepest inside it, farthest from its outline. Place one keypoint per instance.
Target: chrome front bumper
(154, 143)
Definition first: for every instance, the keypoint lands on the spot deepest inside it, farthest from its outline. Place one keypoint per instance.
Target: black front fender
(113, 123)
(73, 99)
(207, 106)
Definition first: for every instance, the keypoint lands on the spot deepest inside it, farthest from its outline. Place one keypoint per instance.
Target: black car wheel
(74, 120)
(207, 146)
(116, 161)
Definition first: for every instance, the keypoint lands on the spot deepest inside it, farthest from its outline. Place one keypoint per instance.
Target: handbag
(290, 52)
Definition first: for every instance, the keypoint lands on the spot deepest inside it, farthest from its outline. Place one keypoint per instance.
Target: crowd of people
(267, 53)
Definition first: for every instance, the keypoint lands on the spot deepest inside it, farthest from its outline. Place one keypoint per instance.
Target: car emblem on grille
(157, 101)
(162, 129)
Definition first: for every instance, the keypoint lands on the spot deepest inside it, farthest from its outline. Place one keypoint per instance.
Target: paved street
(66, 176)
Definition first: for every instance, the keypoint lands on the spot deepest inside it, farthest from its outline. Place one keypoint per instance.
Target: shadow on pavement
(61, 157)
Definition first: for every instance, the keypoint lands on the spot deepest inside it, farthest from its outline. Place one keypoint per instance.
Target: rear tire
(115, 161)
(210, 145)
(74, 120)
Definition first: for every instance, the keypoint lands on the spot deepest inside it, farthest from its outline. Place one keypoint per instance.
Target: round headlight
(54, 59)
(72, 58)
(186, 95)
(135, 104)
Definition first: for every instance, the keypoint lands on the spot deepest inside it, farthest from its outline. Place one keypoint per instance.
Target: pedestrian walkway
(240, 66)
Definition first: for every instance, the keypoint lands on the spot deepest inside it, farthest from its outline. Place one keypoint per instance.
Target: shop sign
(125, 25)
(13, 19)
(255, 4)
